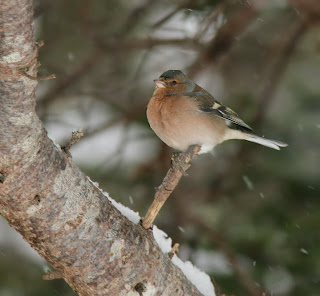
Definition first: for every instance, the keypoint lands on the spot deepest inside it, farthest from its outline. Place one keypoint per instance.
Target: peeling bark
(46, 198)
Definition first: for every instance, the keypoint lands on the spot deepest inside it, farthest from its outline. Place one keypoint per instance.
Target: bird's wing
(207, 103)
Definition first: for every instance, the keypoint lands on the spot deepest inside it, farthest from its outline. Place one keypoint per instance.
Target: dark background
(247, 215)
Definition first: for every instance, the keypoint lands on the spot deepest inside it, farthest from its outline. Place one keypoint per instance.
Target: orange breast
(178, 122)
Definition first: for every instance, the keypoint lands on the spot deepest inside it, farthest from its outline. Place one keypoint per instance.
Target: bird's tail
(265, 142)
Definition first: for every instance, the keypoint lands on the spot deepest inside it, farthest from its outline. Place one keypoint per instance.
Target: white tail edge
(266, 142)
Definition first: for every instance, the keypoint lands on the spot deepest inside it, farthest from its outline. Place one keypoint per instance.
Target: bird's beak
(159, 83)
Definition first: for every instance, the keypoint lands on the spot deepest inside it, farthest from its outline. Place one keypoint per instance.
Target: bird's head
(174, 81)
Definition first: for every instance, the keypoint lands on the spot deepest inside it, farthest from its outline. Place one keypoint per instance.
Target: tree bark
(55, 207)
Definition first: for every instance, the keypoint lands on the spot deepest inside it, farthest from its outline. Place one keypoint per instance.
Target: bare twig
(186, 4)
(224, 39)
(209, 21)
(179, 166)
(308, 10)
(76, 136)
(174, 250)
(24, 71)
(134, 18)
(112, 45)
(52, 275)
(41, 78)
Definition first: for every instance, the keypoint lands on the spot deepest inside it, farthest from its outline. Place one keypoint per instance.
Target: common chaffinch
(181, 113)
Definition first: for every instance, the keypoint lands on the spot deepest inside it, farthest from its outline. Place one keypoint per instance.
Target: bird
(181, 113)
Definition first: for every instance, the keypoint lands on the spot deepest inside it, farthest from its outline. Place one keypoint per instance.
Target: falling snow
(131, 200)
(248, 182)
(181, 229)
(304, 251)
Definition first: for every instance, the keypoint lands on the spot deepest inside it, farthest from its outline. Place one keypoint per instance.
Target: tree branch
(225, 38)
(179, 166)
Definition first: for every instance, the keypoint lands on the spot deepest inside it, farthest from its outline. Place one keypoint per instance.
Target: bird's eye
(174, 82)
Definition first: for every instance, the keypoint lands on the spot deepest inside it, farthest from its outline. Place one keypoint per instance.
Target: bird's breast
(177, 121)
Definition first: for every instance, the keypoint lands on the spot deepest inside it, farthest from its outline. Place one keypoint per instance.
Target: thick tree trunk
(52, 203)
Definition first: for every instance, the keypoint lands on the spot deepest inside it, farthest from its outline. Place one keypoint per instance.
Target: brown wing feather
(207, 103)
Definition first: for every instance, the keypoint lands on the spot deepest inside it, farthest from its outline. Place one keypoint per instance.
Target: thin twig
(186, 4)
(179, 166)
(41, 78)
(52, 275)
(174, 250)
(210, 20)
(224, 39)
(76, 136)
(135, 17)
(125, 45)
